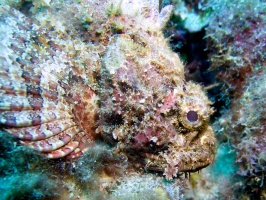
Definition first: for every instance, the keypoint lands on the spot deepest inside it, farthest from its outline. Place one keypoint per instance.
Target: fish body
(80, 72)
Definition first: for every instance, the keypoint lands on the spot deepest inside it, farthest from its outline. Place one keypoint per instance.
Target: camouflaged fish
(77, 72)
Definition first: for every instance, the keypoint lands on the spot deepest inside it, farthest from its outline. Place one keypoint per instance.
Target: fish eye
(191, 119)
(192, 116)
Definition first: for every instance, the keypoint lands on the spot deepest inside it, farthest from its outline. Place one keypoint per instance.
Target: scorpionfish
(73, 73)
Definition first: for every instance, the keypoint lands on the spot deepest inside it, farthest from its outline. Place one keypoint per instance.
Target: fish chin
(189, 153)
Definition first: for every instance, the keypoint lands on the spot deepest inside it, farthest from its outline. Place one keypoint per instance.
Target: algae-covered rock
(236, 41)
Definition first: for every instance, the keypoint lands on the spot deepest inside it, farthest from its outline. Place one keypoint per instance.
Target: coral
(237, 55)
(244, 126)
(193, 14)
(147, 187)
(32, 5)
(236, 42)
(72, 77)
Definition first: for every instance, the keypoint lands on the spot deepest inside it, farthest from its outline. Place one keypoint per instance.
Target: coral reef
(147, 187)
(236, 42)
(244, 126)
(71, 77)
(194, 15)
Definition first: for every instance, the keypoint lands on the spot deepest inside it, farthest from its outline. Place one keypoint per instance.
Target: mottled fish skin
(37, 103)
(108, 75)
(151, 110)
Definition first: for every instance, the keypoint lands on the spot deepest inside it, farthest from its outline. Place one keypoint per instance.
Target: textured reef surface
(95, 102)
(238, 56)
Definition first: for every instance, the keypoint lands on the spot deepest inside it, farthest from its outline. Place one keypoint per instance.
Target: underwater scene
(132, 99)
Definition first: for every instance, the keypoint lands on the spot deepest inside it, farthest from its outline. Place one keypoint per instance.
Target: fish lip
(202, 142)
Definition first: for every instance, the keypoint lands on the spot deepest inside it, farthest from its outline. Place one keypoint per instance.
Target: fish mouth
(194, 156)
(154, 168)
